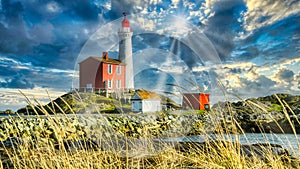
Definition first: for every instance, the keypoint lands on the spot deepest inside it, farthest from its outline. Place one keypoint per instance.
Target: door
(136, 106)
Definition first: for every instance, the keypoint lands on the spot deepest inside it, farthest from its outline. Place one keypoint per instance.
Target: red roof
(125, 22)
(147, 95)
(109, 60)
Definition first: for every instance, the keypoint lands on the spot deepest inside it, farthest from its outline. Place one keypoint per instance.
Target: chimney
(105, 55)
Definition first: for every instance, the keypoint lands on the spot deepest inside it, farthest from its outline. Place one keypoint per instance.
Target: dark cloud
(24, 75)
(263, 80)
(43, 37)
(60, 81)
(255, 87)
(285, 75)
(297, 80)
(272, 43)
(5, 71)
(18, 82)
(46, 37)
(223, 26)
(249, 52)
(80, 9)
(234, 70)
(178, 48)
(14, 39)
(59, 56)
(27, 28)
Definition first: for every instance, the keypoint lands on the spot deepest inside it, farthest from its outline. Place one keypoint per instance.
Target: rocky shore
(271, 114)
(278, 113)
(69, 127)
(144, 135)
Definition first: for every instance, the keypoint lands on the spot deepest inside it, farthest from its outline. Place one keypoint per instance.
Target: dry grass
(217, 154)
(224, 157)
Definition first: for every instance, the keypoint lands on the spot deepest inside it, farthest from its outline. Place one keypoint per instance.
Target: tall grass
(125, 152)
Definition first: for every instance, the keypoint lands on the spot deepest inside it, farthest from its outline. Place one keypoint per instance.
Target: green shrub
(275, 107)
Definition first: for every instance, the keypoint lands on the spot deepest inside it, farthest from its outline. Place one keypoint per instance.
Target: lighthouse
(125, 51)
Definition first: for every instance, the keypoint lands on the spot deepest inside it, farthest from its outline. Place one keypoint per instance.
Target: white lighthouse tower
(125, 51)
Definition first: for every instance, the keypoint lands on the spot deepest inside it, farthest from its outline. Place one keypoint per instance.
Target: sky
(249, 48)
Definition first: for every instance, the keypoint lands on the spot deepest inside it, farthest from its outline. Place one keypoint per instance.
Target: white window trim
(109, 69)
(109, 84)
(119, 70)
(118, 84)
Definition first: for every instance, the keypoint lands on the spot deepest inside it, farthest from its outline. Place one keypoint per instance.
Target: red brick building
(196, 101)
(102, 73)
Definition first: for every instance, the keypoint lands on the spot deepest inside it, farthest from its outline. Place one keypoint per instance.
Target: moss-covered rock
(263, 114)
(48, 129)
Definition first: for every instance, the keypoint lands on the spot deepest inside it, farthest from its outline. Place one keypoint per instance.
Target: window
(109, 83)
(118, 84)
(89, 86)
(119, 70)
(109, 69)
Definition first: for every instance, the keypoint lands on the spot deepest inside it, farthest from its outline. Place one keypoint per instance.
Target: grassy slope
(82, 103)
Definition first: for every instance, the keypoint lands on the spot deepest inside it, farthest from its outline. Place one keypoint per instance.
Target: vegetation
(72, 103)
(88, 103)
(275, 107)
(132, 140)
(270, 114)
(7, 112)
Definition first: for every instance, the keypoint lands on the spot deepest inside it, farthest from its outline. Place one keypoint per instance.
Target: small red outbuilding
(196, 101)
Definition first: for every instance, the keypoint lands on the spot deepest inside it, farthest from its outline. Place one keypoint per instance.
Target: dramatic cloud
(257, 42)
(246, 79)
(23, 75)
(263, 13)
(284, 75)
(45, 34)
(221, 24)
(18, 82)
(297, 81)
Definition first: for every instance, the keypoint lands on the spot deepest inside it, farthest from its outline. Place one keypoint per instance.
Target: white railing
(115, 93)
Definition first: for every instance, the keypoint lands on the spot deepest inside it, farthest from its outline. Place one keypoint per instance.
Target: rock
(12, 142)
(260, 150)
(261, 114)
(80, 145)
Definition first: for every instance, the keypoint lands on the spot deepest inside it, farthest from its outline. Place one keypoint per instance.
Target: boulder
(263, 114)
(12, 142)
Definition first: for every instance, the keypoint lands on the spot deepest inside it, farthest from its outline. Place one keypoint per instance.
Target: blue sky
(255, 44)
